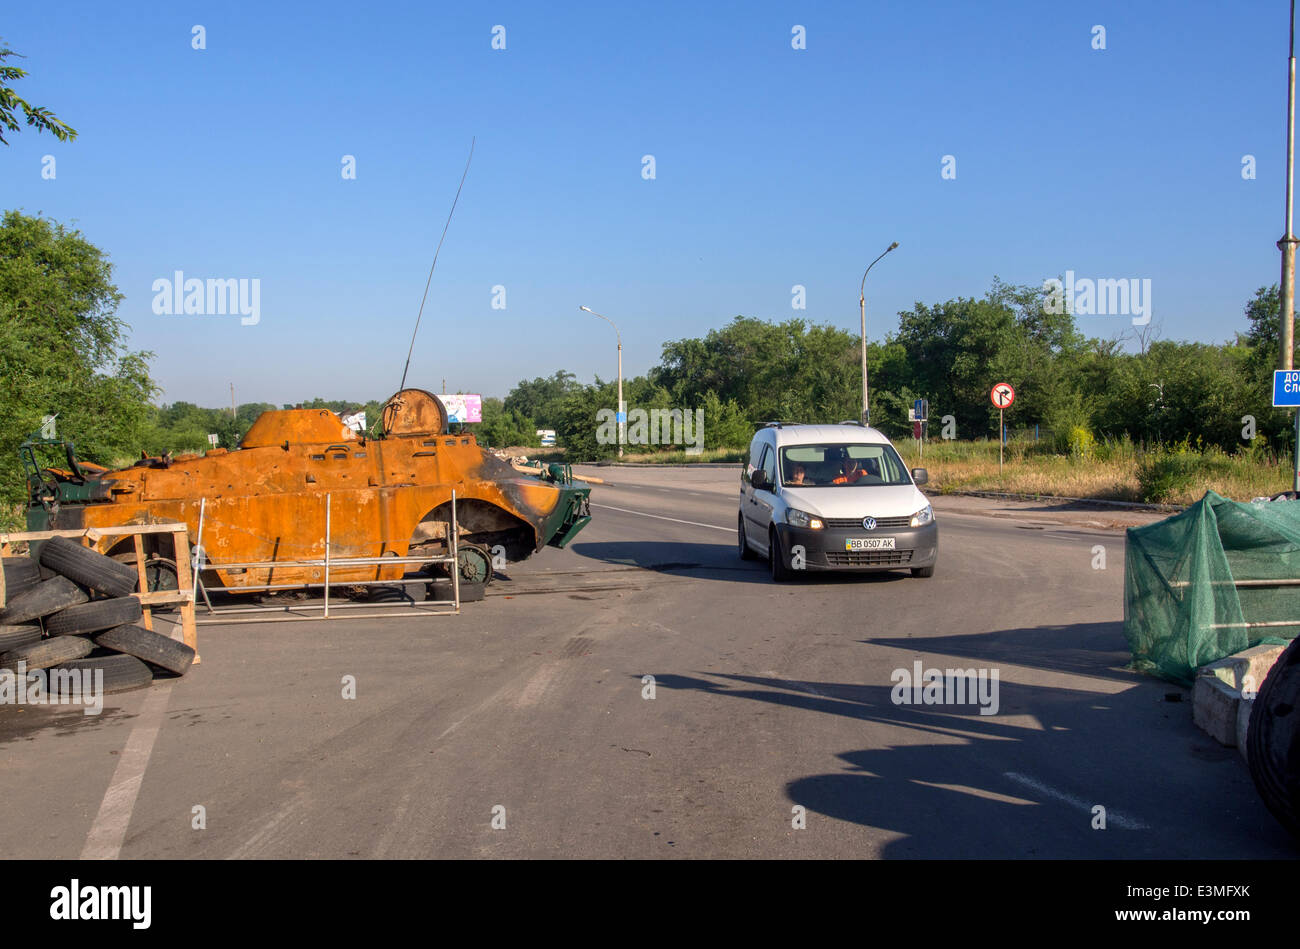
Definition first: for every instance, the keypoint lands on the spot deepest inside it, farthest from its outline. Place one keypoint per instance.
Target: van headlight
(923, 516)
(797, 518)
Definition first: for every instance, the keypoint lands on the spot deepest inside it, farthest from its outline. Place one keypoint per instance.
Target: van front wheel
(776, 558)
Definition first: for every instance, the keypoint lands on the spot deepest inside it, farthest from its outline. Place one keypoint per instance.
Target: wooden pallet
(101, 538)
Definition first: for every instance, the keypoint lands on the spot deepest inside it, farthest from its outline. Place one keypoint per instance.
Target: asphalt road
(530, 709)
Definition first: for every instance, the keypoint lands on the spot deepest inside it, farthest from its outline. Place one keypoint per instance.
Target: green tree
(541, 399)
(62, 350)
(957, 351)
(42, 119)
(790, 371)
(505, 428)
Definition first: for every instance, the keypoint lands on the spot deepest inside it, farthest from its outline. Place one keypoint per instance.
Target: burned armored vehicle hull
(301, 475)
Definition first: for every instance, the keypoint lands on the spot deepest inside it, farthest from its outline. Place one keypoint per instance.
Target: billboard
(462, 407)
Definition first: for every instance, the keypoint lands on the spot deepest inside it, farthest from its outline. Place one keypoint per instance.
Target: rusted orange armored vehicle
(266, 501)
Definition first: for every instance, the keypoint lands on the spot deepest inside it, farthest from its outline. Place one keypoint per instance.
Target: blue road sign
(1286, 388)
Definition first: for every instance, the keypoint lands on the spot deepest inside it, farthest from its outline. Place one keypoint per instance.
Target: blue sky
(773, 167)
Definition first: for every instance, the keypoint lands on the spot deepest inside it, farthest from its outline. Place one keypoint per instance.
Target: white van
(833, 497)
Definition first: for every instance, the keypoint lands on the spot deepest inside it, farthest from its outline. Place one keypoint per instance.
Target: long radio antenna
(435, 264)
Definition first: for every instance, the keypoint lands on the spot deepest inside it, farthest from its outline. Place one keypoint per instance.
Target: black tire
(122, 673)
(21, 574)
(11, 637)
(399, 591)
(923, 571)
(94, 616)
(88, 567)
(1273, 739)
(472, 592)
(48, 596)
(441, 589)
(155, 649)
(776, 558)
(47, 652)
(742, 541)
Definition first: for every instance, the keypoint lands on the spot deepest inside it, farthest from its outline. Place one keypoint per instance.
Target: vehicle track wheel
(474, 563)
(159, 574)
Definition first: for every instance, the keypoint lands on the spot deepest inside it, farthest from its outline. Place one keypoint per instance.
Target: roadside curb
(1099, 502)
(644, 464)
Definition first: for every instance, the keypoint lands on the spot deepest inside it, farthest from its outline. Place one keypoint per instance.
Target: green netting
(1201, 585)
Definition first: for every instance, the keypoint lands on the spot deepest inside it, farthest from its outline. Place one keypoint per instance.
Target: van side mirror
(920, 475)
(759, 480)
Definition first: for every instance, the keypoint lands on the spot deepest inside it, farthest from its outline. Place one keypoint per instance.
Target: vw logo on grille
(869, 523)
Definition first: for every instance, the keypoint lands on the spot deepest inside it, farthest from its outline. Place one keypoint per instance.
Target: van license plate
(869, 543)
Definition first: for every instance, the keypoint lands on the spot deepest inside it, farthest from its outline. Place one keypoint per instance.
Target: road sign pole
(1286, 394)
(1002, 396)
(1286, 333)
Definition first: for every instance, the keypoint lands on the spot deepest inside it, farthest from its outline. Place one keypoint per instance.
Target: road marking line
(104, 842)
(536, 685)
(394, 828)
(1112, 817)
(259, 841)
(977, 792)
(660, 517)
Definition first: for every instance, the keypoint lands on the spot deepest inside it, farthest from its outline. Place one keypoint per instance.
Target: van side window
(769, 465)
(756, 455)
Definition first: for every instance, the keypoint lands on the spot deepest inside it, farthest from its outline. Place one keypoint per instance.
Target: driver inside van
(850, 472)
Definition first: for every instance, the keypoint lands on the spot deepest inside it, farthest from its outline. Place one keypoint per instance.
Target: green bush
(1166, 472)
(1082, 443)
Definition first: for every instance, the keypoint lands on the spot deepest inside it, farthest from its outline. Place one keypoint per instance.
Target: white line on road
(1112, 817)
(104, 842)
(660, 517)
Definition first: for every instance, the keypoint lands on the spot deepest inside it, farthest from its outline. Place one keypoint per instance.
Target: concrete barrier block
(1241, 669)
(1214, 708)
(1243, 725)
(1259, 660)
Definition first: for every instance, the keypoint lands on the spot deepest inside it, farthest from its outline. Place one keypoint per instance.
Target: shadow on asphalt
(1093, 649)
(987, 787)
(713, 562)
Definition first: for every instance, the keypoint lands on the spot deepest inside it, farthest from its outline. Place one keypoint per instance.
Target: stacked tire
(82, 617)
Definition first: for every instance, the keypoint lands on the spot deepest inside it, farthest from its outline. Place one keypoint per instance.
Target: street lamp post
(620, 415)
(862, 305)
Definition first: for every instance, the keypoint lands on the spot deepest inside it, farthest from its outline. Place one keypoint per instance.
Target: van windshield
(824, 466)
